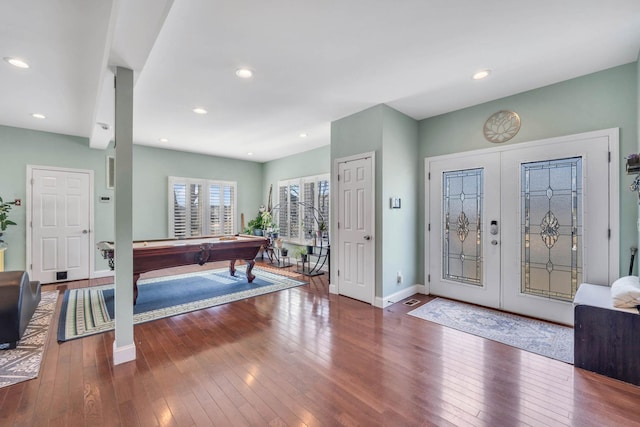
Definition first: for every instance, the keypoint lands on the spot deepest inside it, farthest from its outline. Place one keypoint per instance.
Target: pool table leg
(250, 264)
(135, 287)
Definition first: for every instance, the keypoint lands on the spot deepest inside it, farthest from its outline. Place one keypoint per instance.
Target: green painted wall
(399, 226)
(356, 134)
(393, 137)
(601, 100)
(152, 165)
(312, 162)
(21, 147)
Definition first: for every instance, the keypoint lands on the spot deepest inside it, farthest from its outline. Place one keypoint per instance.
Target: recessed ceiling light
(303, 135)
(244, 73)
(16, 62)
(164, 140)
(38, 116)
(249, 153)
(199, 110)
(481, 74)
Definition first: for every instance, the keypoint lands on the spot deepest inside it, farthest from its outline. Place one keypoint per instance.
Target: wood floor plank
(304, 357)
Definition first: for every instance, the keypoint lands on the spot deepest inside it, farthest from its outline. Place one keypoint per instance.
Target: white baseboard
(126, 353)
(393, 298)
(400, 295)
(102, 273)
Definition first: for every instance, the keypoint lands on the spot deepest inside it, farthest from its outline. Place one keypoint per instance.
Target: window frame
(205, 209)
(302, 238)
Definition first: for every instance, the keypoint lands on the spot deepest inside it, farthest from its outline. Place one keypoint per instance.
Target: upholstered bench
(19, 298)
(606, 338)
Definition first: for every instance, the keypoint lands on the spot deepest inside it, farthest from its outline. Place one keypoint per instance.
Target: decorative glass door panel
(464, 264)
(551, 226)
(462, 231)
(558, 209)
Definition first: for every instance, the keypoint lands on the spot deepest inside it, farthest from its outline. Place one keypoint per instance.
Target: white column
(124, 349)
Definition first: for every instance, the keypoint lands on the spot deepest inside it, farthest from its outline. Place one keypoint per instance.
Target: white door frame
(29, 204)
(335, 208)
(614, 189)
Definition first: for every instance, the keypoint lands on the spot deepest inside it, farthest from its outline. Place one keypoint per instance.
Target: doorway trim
(613, 134)
(29, 213)
(335, 209)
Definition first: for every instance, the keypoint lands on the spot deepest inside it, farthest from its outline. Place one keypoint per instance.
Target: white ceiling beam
(127, 44)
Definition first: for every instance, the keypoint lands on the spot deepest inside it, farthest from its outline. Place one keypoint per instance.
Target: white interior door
(549, 205)
(464, 198)
(60, 218)
(356, 252)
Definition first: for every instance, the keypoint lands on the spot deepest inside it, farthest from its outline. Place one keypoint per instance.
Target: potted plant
(5, 207)
(322, 228)
(301, 252)
(259, 224)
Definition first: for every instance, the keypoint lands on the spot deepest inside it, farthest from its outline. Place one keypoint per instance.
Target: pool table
(158, 254)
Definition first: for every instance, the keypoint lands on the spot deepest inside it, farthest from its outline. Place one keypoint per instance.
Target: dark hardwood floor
(303, 357)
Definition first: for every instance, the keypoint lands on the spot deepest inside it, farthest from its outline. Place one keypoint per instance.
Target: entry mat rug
(23, 362)
(89, 311)
(535, 336)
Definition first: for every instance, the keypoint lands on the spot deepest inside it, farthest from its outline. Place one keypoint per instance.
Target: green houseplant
(5, 207)
(301, 253)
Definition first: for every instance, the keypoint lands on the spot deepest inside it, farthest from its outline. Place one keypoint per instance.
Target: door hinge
(338, 177)
(609, 234)
(32, 181)
(609, 156)
(429, 176)
(429, 227)
(428, 278)
(338, 273)
(338, 225)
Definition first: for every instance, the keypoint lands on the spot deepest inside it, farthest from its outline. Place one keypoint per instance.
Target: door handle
(367, 237)
(85, 231)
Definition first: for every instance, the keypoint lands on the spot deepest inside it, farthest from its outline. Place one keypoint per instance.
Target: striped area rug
(89, 311)
(23, 362)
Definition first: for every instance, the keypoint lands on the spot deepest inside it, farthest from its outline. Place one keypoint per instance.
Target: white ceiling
(314, 62)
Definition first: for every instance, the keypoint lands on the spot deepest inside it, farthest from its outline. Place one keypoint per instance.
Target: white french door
(464, 198)
(520, 228)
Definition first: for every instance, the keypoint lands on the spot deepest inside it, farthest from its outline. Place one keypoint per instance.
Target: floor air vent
(412, 302)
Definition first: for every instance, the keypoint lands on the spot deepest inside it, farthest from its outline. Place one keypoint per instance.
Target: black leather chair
(19, 298)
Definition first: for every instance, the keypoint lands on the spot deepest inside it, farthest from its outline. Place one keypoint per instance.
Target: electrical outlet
(399, 277)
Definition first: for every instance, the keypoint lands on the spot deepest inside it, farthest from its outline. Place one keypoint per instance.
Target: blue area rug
(89, 311)
(535, 336)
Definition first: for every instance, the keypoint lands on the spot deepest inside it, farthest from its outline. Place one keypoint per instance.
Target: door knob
(367, 237)
(85, 231)
(494, 242)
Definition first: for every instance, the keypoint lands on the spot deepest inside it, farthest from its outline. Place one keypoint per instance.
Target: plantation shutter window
(229, 207)
(283, 212)
(303, 204)
(201, 207)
